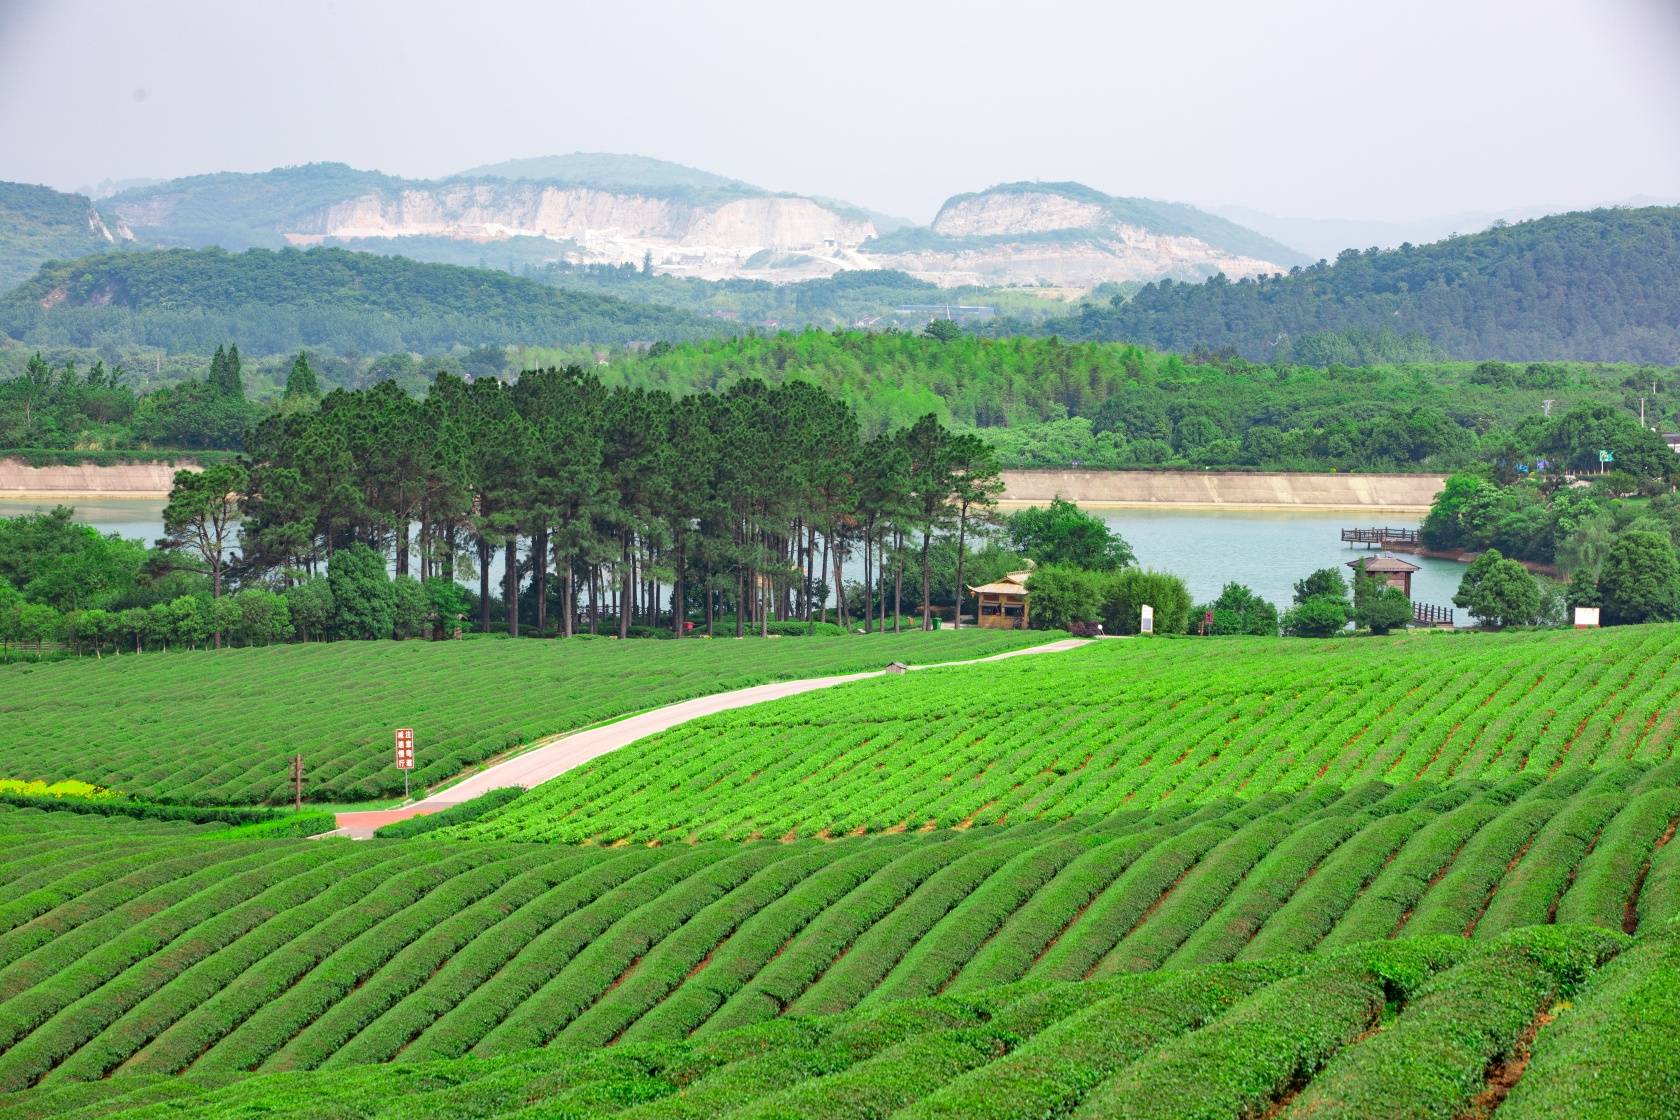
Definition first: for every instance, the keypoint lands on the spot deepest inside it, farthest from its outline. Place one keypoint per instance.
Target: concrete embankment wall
(1189, 489)
(1214, 489)
(89, 480)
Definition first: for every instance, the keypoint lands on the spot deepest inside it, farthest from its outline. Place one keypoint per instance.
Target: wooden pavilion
(1003, 603)
(1390, 569)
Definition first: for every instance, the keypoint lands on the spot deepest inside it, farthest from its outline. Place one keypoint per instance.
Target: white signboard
(1586, 617)
(1146, 625)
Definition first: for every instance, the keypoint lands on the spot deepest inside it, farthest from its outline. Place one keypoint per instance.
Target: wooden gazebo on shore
(1390, 569)
(1003, 603)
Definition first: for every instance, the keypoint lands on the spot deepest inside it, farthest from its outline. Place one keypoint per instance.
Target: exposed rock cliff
(696, 224)
(1069, 235)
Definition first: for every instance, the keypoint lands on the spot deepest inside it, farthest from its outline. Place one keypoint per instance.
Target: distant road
(566, 752)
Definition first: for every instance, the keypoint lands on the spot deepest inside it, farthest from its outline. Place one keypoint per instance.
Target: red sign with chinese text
(405, 748)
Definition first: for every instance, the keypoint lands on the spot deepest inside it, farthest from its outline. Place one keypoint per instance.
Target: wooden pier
(1381, 538)
(1428, 614)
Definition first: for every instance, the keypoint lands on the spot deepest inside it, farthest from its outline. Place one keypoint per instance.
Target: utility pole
(297, 783)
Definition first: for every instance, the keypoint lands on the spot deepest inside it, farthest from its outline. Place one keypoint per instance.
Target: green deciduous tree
(1499, 592)
(1125, 593)
(1324, 581)
(1062, 533)
(362, 598)
(1060, 595)
(200, 517)
(1640, 580)
(1238, 610)
(1322, 616)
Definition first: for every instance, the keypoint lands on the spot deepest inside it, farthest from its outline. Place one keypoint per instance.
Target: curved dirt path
(568, 751)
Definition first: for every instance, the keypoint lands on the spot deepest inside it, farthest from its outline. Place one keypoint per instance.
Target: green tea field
(1127, 725)
(1425, 876)
(218, 728)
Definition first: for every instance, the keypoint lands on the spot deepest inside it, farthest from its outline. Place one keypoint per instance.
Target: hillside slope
(1069, 234)
(1597, 285)
(206, 955)
(1293, 1038)
(1166, 720)
(275, 302)
(218, 729)
(39, 224)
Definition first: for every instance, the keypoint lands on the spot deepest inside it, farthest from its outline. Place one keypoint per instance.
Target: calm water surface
(1267, 551)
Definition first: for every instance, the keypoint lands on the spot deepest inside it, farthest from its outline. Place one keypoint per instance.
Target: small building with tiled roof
(1003, 602)
(1390, 569)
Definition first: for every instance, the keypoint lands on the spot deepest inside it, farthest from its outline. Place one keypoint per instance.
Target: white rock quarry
(1004, 236)
(1099, 249)
(603, 227)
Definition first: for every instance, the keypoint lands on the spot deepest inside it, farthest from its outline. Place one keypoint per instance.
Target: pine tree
(233, 378)
(300, 379)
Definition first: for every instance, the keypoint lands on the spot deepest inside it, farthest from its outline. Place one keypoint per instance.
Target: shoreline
(47, 497)
(1013, 504)
(51, 497)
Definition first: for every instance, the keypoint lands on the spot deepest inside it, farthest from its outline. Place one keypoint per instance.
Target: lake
(1268, 551)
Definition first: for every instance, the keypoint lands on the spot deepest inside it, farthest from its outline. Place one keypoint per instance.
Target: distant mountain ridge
(604, 169)
(1600, 285)
(1323, 238)
(600, 208)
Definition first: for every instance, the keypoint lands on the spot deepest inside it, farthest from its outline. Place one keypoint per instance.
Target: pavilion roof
(1384, 564)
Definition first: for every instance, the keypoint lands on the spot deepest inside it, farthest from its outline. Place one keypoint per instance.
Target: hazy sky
(1299, 107)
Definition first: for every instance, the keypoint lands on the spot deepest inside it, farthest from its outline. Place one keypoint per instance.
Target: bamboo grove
(608, 504)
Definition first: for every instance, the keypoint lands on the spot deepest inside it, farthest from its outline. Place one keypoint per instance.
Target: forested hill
(275, 302)
(1598, 285)
(39, 224)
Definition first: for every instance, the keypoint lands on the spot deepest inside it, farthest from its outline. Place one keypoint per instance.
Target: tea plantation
(1124, 725)
(1425, 876)
(218, 727)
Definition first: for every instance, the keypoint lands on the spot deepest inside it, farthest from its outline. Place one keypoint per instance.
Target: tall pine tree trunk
(539, 577)
(483, 584)
(868, 585)
(594, 597)
(402, 546)
(627, 586)
(840, 585)
(962, 529)
(569, 597)
(927, 608)
(511, 584)
(898, 580)
(679, 593)
(824, 605)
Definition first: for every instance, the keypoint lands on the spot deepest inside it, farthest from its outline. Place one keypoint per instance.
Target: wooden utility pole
(297, 783)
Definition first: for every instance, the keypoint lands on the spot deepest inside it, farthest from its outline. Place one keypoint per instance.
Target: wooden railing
(1428, 614)
(1380, 536)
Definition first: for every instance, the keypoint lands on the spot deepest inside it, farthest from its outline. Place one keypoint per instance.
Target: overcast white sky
(1301, 107)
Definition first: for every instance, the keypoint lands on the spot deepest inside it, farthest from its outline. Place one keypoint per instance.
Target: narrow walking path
(568, 751)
